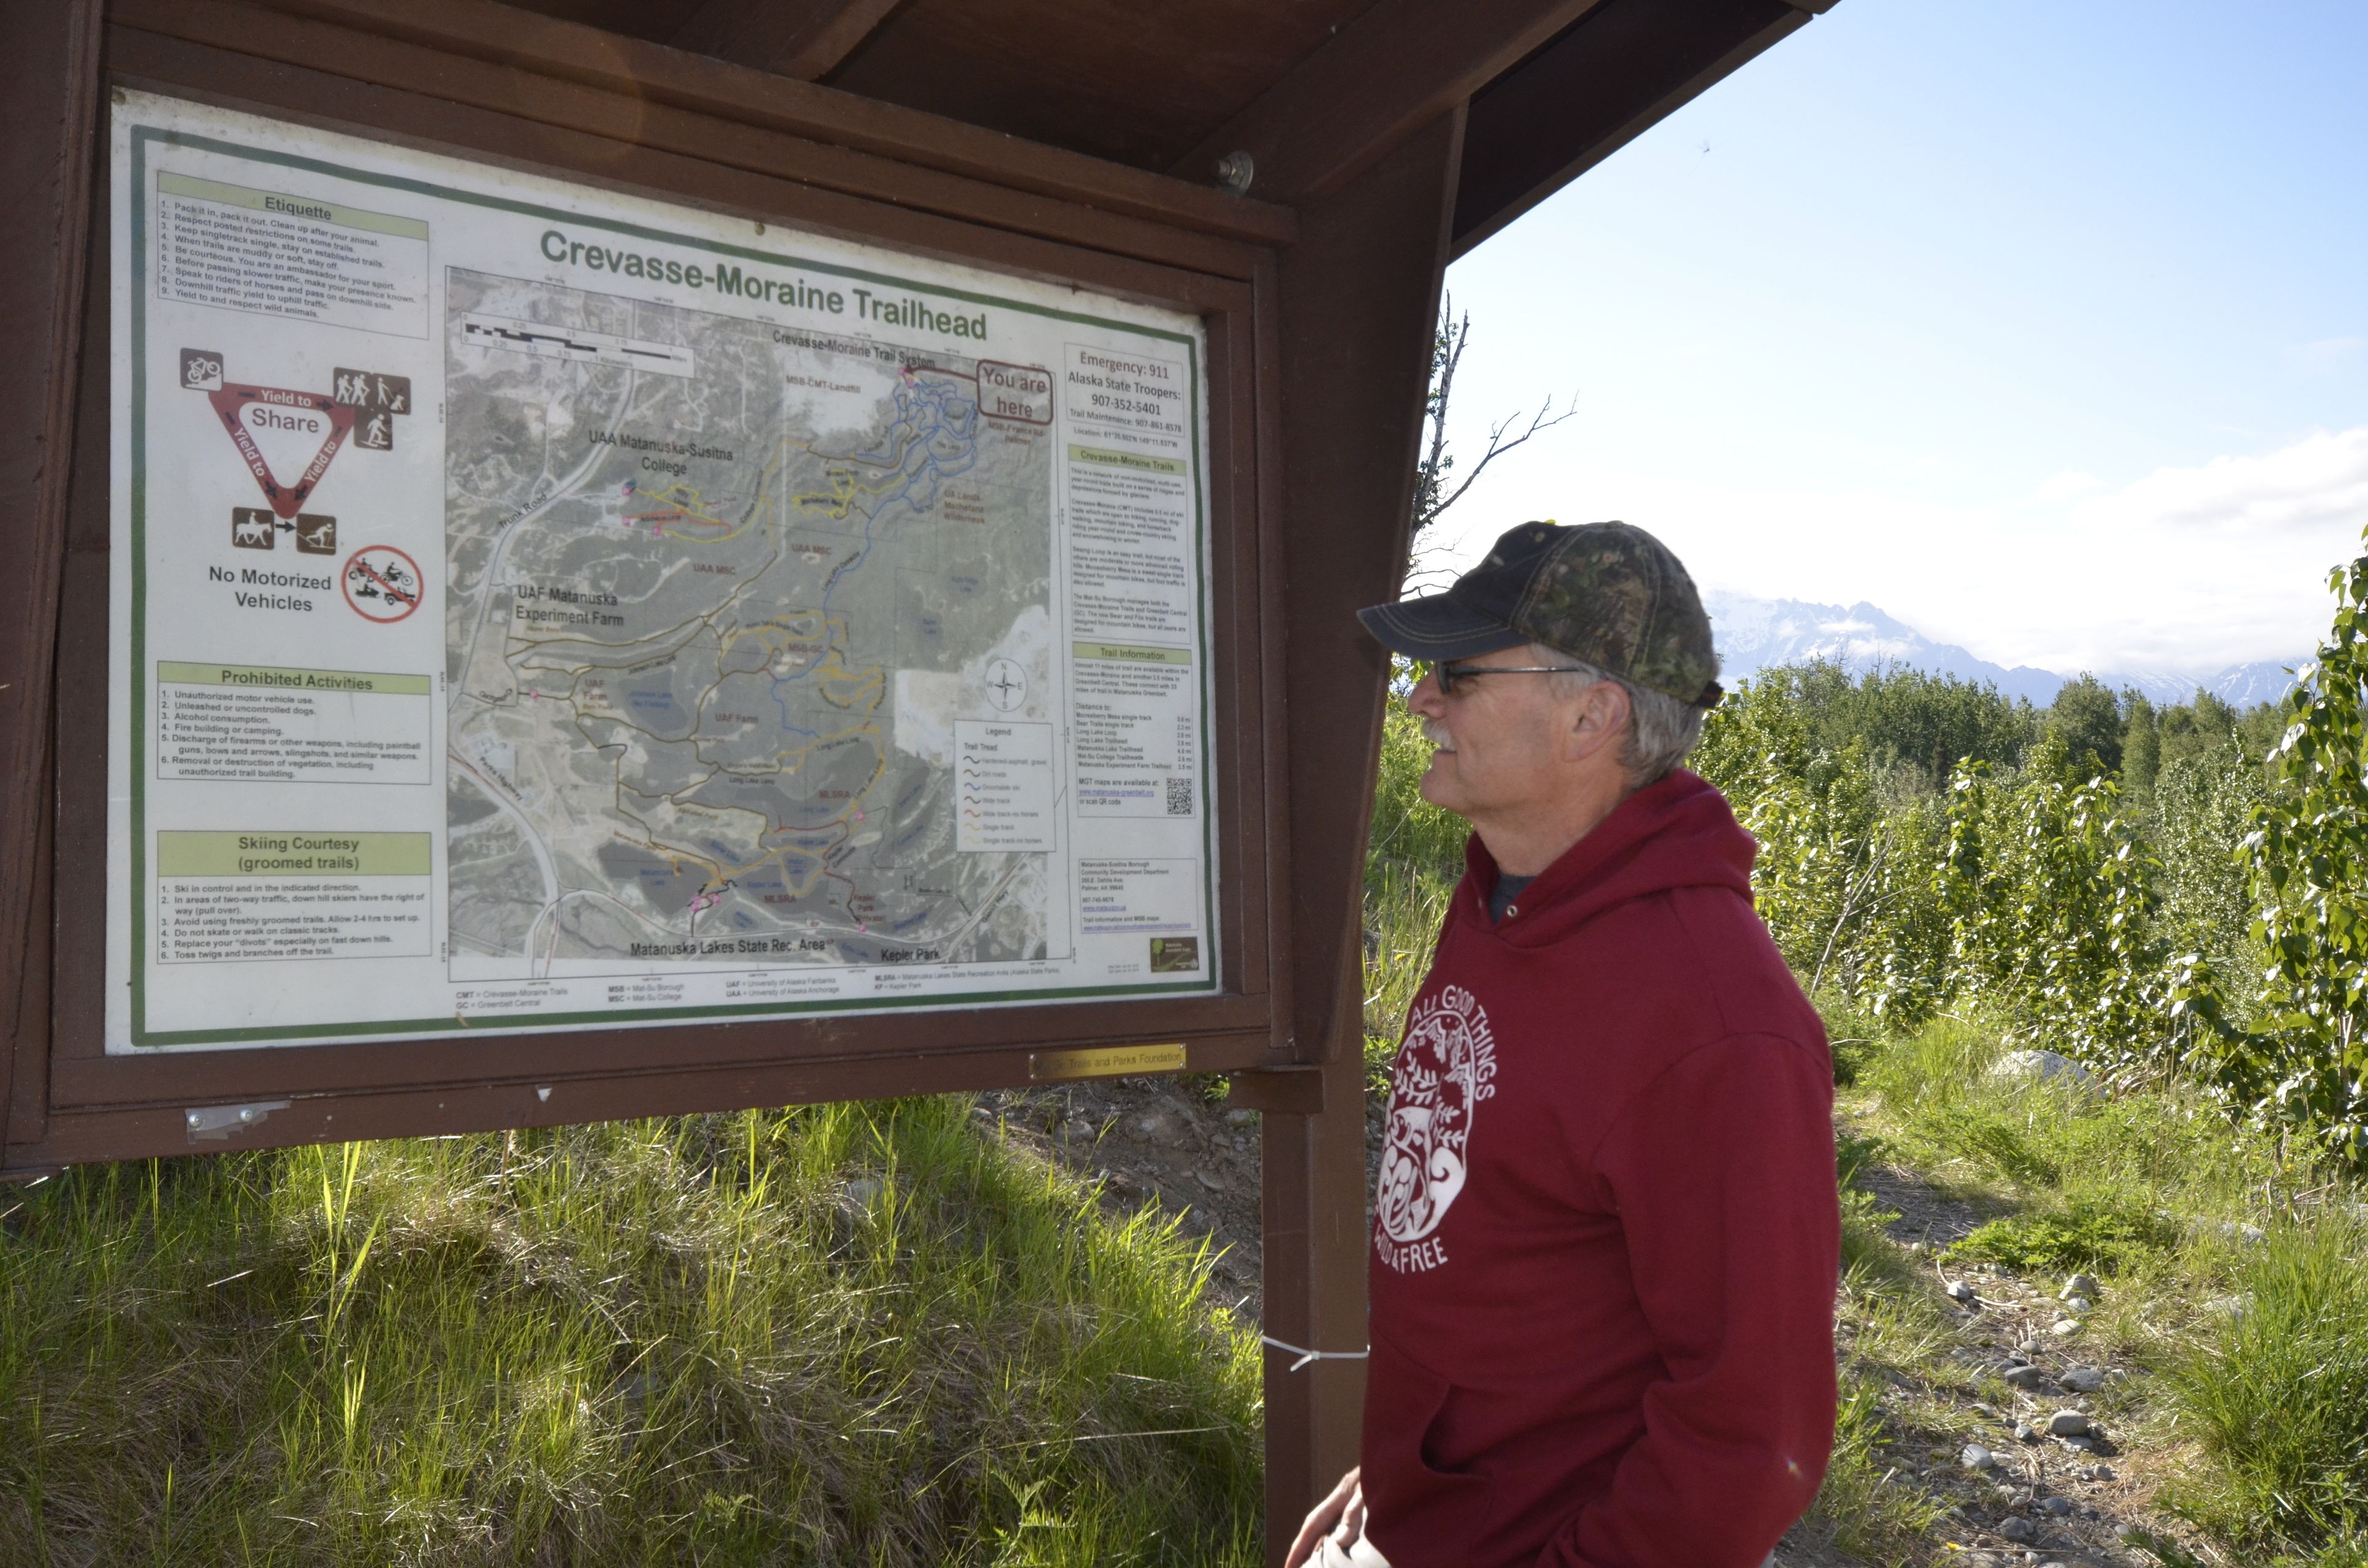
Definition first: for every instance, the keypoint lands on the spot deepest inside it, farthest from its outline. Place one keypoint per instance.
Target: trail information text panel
(535, 608)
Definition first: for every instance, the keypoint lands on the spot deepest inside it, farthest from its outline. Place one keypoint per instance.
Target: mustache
(1436, 733)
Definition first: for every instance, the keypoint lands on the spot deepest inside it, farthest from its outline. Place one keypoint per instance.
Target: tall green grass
(1414, 858)
(2278, 1392)
(858, 1334)
(1404, 906)
(1858, 1509)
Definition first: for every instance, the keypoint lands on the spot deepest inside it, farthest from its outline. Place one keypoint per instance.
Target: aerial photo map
(718, 588)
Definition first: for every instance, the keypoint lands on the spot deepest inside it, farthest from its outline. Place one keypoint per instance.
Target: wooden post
(1359, 300)
(49, 90)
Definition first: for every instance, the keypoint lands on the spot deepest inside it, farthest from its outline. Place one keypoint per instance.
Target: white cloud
(2071, 487)
(2187, 569)
(2322, 478)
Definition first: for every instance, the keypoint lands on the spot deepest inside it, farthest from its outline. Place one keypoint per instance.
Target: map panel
(542, 609)
(681, 607)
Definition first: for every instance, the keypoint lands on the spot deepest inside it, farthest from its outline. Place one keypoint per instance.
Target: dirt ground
(1160, 1139)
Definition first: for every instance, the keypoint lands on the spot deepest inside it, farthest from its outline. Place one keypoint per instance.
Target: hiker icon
(372, 390)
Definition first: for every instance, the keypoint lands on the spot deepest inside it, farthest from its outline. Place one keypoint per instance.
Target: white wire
(1305, 1355)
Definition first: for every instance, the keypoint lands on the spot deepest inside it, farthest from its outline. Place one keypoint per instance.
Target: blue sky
(2043, 326)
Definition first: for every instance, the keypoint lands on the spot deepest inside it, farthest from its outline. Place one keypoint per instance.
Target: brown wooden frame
(98, 1106)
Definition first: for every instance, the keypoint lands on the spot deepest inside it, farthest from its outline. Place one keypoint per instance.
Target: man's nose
(1426, 698)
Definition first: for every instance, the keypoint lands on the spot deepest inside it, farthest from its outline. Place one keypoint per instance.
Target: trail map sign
(586, 611)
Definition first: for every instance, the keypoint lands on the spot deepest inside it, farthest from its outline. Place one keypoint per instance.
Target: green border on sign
(140, 197)
(285, 677)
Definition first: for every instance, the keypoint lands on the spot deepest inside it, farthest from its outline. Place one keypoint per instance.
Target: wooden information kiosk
(609, 558)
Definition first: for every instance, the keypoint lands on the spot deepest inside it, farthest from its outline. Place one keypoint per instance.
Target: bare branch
(1431, 496)
(1544, 419)
(1446, 353)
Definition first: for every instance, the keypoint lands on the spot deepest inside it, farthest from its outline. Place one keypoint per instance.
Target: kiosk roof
(1313, 91)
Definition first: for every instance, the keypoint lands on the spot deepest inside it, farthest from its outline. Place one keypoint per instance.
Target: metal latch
(215, 1123)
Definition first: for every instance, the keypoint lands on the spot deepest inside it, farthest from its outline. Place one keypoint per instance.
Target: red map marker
(233, 400)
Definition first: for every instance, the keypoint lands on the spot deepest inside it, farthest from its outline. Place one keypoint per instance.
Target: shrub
(2089, 1234)
(1990, 1140)
(1408, 833)
(2050, 892)
(2278, 1395)
(1843, 877)
(2203, 808)
(2310, 878)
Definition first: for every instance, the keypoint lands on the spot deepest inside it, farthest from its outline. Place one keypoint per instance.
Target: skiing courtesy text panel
(552, 631)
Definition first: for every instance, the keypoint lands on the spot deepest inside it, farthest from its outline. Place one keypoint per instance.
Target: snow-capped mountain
(1756, 633)
(2243, 685)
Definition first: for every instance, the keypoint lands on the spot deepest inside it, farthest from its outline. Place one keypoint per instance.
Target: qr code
(1179, 795)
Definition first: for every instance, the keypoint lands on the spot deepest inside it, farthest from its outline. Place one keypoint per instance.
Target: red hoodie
(1606, 1230)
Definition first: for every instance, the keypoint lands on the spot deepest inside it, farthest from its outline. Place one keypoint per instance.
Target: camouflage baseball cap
(1606, 593)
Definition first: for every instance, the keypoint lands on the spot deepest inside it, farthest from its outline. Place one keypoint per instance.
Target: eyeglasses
(1453, 673)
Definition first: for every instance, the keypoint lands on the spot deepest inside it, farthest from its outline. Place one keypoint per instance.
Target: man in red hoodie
(1606, 1232)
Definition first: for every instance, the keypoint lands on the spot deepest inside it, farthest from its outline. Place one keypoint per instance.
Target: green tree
(2310, 878)
(2217, 930)
(2086, 720)
(2259, 728)
(1902, 719)
(2202, 809)
(2052, 898)
(2141, 745)
(2195, 728)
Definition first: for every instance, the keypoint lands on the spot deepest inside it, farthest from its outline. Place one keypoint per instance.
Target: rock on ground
(2047, 1066)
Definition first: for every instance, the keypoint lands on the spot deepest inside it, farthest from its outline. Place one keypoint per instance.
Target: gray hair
(1662, 730)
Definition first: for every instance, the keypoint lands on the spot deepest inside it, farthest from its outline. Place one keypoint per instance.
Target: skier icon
(376, 432)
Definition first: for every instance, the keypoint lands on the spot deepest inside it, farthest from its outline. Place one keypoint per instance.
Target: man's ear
(1601, 720)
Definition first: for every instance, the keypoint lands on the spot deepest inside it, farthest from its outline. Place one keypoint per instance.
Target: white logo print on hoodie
(1443, 1072)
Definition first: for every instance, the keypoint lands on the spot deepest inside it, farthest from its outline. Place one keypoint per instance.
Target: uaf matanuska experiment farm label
(541, 608)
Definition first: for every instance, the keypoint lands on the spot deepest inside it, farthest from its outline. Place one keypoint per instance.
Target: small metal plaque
(1104, 1062)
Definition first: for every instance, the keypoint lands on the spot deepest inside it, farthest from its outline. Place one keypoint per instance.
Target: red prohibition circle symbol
(382, 583)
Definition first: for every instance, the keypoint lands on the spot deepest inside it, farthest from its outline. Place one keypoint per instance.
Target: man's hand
(1342, 1513)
